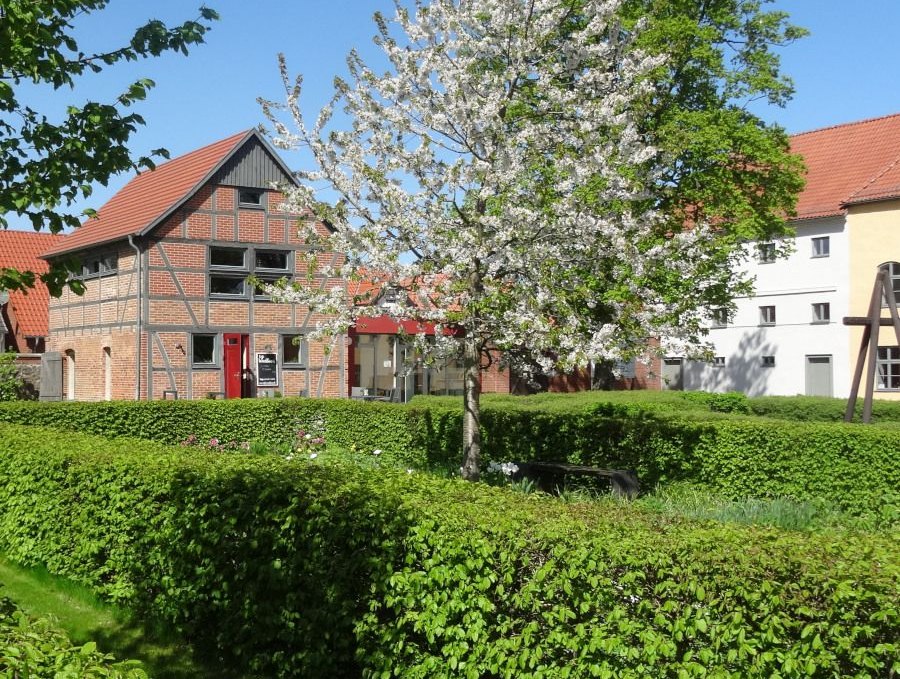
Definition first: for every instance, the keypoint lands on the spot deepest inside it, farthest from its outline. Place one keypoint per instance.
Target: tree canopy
(45, 164)
(518, 174)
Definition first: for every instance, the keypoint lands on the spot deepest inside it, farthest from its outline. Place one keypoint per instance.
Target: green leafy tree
(11, 383)
(46, 165)
(719, 162)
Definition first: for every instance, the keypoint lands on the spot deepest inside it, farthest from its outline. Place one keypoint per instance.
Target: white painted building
(788, 338)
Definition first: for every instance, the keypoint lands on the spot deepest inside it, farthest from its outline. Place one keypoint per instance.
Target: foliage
(716, 155)
(501, 181)
(32, 647)
(305, 569)
(45, 166)
(856, 467)
(11, 382)
(699, 502)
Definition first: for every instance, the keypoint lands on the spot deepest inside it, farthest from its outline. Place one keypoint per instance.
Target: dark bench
(548, 476)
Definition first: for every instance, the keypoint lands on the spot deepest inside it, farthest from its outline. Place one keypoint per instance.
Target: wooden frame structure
(871, 324)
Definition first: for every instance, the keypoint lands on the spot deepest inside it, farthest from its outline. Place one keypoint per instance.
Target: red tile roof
(847, 164)
(151, 196)
(20, 250)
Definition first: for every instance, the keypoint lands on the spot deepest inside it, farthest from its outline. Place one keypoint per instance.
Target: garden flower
(313, 456)
(376, 452)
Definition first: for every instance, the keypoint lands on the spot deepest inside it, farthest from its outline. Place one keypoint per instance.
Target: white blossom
(495, 175)
(505, 468)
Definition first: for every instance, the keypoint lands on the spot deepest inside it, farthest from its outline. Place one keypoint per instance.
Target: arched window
(70, 375)
(893, 269)
(107, 373)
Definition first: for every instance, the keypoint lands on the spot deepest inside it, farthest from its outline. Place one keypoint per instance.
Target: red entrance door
(234, 362)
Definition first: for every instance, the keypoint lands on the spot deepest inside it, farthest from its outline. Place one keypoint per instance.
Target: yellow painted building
(854, 172)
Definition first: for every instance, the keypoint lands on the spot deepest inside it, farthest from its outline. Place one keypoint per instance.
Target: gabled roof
(847, 164)
(21, 250)
(145, 201)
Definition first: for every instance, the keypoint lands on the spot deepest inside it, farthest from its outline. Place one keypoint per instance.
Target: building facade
(788, 338)
(168, 310)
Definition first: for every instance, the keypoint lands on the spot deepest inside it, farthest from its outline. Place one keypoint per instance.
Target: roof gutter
(140, 316)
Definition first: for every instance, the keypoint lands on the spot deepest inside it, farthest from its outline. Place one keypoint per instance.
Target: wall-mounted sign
(625, 369)
(266, 369)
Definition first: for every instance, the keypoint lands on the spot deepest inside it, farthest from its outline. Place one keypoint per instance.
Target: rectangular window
(229, 268)
(251, 197)
(888, 364)
(719, 362)
(203, 350)
(100, 265)
(293, 351)
(821, 312)
(893, 269)
(720, 318)
(767, 315)
(272, 259)
(768, 361)
(227, 285)
(765, 253)
(821, 246)
(228, 257)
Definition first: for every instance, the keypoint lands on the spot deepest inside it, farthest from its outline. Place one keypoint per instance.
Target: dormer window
(390, 295)
(250, 197)
(99, 265)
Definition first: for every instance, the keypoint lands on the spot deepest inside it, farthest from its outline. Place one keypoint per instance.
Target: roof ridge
(192, 152)
(878, 175)
(850, 124)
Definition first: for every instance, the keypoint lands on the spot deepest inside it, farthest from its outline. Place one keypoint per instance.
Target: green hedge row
(855, 466)
(302, 569)
(34, 647)
(403, 434)
(793, 408)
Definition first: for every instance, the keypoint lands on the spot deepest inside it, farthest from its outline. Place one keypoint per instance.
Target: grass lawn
(84, 618)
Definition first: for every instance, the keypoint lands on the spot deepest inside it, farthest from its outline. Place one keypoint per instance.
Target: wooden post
(881, 291)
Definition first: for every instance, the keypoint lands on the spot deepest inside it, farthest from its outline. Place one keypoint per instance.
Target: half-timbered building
(167, 310)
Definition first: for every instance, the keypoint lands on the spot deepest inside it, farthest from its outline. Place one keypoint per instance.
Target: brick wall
(95, 358)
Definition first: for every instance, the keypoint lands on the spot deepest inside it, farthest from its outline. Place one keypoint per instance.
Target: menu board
(266, 369)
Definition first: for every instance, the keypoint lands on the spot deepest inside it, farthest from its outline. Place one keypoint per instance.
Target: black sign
(266, 370)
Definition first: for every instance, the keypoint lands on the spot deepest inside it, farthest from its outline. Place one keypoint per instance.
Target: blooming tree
(495, 175)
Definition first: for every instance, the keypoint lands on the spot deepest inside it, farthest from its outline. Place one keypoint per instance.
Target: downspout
(140, 316)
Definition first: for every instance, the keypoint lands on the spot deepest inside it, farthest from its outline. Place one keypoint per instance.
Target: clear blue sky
(847, 69)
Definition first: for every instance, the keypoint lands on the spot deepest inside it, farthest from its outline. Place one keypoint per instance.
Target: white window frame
(821, 313)
(719, 318)
(821, 247)
(887, 371)
(764, 315)
(766, 253)
(893, 269)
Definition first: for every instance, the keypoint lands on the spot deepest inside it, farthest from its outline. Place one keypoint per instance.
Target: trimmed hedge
(403, 434)
(857, 467)
(300, 569)
(33, 647)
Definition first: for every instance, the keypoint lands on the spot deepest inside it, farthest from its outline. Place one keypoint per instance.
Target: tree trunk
(472, 413)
